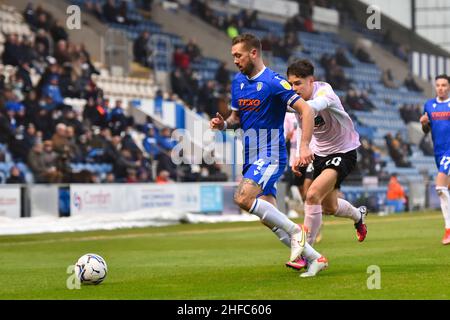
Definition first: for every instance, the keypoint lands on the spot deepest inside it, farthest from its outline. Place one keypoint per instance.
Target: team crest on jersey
(242, 85)
(434, 105)
(259, 86)
(285, 84)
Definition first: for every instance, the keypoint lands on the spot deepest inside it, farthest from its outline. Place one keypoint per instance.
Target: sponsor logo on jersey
(249, 102)
(443, 115)
(285, 85)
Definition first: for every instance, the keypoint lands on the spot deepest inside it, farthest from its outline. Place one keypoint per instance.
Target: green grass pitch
(233, 261)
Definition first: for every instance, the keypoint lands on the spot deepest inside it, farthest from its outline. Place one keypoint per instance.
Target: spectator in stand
(146, 4)
(52, 91)
(94, 8)
(58, 32)
(165, 140)
(388, 79)
(23, 72)
(193, 50)
(401, 51)
(42, 42)
(75, 152)
(341, 58)
(122, 14)
(118, 120)
(335, 76)
(166, 144)
(62, 53)
(294, 24)
(397, 151)
(110, 12)
(180, 85)
(12, 50)
(181, 59)
(94, 114)
(396, 194)
(212, 172)
(110, 178)
(59, 138)
(352, 100)
(249, 18)
(222, 75)
(207, 100)
(150, 143)
(42, 161)
(163, 177)
(31, 137)
(131, 176)
(43, 20)
(410, 113)
(15, 176)
(361, 53)
(367, 162)
(411, 84)
(142, 50)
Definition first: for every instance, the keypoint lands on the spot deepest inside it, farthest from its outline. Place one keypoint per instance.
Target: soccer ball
(91, 269)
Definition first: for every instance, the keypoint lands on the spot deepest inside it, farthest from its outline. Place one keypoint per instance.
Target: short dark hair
(301, 68)
(251, 41)
(442, 76)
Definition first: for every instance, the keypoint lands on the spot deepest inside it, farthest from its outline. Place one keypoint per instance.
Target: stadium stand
(376, 109)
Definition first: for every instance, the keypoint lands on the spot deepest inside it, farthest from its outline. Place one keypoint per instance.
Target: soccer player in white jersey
(259, 99)
(437, 118)
(335, 144)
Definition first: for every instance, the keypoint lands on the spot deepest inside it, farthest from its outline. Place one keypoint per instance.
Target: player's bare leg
(442, 182)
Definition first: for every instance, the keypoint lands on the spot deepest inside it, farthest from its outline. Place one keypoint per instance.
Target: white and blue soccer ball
(91, 269)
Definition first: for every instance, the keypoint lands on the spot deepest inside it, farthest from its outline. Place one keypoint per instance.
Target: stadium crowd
(49, 135)
(35, 122)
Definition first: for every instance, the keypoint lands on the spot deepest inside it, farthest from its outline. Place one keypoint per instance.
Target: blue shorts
(265, 173)
(443, 163)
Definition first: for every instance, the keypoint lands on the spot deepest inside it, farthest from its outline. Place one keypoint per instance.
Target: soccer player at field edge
(335, 144)
(259, 101)
(437, 118)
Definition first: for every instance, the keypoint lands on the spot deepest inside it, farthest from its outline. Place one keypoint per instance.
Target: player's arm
(232, 122)
(425, 122)
(307, 118)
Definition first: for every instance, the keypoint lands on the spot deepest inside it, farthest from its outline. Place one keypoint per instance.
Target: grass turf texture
(233, 261)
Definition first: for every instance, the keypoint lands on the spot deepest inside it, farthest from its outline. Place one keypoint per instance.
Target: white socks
(282, 226)
(308, 252)
(346, 210)
(271, 216)
(282, 235)
(313, 221)
(444, 196)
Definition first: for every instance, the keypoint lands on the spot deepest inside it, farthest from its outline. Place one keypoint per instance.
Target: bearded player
(259, 101)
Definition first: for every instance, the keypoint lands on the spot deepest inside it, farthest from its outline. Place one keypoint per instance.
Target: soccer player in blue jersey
(260, 98)
(437, 118)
